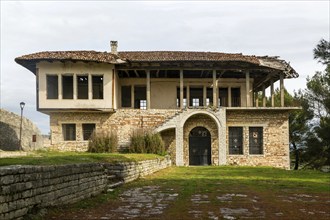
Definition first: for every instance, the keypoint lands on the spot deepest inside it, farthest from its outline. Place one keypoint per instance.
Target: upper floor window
(209, 97)
(69, 132)
(195, 102)
(223, 97)
(140, 97)
(255, 140)
(82, 84)
(235, 97)
(97, 87)
(178, 97)
(143, 104)
(52, 86)
(87, 130)
(196, 96)
(126, 96)
(235, 140)
(67, 86)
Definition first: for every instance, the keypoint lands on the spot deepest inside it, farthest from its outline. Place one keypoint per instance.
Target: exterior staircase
(171, 121)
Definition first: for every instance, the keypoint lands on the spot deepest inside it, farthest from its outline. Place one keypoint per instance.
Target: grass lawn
(211, 193)
(58, 158)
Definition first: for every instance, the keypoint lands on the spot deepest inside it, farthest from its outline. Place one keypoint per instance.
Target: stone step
(116, 184)
(111, 177)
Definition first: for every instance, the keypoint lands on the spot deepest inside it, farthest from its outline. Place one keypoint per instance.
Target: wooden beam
(137, 74)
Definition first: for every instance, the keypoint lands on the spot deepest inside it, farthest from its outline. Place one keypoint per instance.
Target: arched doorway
(199, 146)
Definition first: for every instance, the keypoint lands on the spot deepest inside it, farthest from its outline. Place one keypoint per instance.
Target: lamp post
(22, 104)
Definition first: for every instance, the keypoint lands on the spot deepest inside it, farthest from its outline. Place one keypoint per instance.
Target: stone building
(204, 104)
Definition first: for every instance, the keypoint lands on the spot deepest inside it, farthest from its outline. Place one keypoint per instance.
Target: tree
(317, 98)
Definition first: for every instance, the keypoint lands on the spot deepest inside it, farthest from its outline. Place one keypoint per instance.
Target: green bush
(103, 142)
(137, 142)
(146, 142)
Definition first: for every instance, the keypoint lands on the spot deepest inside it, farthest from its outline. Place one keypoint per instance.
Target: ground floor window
(87, 130)
(235, 140)
(255, 140)
(69, 132)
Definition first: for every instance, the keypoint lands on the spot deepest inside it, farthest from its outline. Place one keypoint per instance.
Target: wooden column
(132, 96)
(247, 86)
(263, 96)
(229, 96)
(282, 89)
(75, 88)
(60, 87)
(188, 95)
(272, 95)
(181, 89)
(215, 88)
(148, 90)
(90, 87)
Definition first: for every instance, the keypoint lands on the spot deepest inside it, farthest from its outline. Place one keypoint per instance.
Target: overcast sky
(289, 29)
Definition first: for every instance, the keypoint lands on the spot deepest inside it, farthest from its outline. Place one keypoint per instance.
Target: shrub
(103, 142)
(146, 142)
(137, 142)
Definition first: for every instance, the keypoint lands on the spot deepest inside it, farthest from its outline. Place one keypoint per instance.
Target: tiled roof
(104, 57)
(29, 61)
(165, 56)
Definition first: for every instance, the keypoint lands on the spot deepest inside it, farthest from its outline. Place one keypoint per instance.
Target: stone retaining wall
(23, 188)
(10, 132)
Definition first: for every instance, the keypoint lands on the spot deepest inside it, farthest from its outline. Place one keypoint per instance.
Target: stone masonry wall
(23, 188)
(123, 122)
(205, 121)
(275, 138)
(10, 129)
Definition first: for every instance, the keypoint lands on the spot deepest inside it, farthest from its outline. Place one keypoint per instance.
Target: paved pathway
(152, 202)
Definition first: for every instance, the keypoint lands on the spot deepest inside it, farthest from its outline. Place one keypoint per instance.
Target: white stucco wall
(79, 68)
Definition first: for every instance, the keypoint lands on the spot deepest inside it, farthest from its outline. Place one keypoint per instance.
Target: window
(143, 104)
(235, 140)
(67, 87)
(178, 97)
(195, 102)
(97, 87)
(255, 140)
(140, 95)
(223, 97)
(87, 130)
(196, 97)
(126, 96)
(69, 132)
(82, 83)
(52, 87)
(235, 97)
(209, 96)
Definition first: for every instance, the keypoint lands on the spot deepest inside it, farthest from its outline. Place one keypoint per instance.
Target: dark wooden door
(199, 146)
